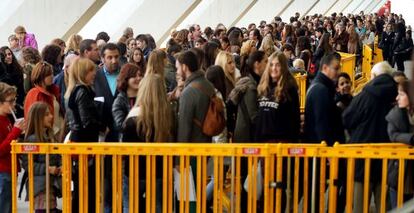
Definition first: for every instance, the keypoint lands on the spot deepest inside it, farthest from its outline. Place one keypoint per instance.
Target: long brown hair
(142, 63)
(156, 62)
(154, 119)
(285, 82)
(35, 123)
(405, 86)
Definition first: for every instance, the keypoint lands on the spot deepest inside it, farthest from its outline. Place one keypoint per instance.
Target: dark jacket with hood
(365, 119)
(244, 96)
(323, 120)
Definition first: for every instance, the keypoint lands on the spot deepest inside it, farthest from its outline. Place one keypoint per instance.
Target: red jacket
(39, 94)
(7, 134)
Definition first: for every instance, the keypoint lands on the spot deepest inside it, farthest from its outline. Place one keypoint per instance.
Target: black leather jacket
(82, 115)
(120, 109)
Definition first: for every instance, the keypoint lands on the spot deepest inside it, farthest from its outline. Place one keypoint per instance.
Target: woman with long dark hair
(40, 130)
(323, 48)
(211, 49)
(136, 57)
(400, 124)
(13, 76)
(52, 54)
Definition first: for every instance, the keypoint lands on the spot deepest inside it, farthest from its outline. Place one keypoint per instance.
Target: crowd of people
(213, 85)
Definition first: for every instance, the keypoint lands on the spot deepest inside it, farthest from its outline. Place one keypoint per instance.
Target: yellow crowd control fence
(301, 81)
(348, 63)
(243, 177)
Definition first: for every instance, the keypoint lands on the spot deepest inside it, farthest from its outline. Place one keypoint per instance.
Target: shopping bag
(259, 180)
(177, 185)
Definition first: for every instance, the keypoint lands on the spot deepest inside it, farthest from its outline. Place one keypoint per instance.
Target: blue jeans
(393, 197)
(5, 192)
(125, 194)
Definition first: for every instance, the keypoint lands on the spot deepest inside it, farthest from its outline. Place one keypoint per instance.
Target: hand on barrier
(20, 123)
(53, 170)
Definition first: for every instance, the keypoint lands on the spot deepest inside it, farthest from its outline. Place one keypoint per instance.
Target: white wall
(404, 7)
(217, 11)
(371, 5)
(322, 6)
(109, 18)
(47, 19)
(339, 6)
(363, 6)
(263, 10)
(300, 6)
(354, 4)
(50, 19)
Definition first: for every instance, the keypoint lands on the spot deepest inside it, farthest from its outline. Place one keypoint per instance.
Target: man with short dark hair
(193, 104)
(89, 49)
(142, 42)
(105, 84)
(287, 50)
(105, 93)
(318, 35)
(194, 100)
(323, 121)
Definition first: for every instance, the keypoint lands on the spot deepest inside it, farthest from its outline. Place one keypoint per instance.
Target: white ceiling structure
(49, 19)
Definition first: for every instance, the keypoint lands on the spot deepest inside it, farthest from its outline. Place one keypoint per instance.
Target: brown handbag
(214, 122)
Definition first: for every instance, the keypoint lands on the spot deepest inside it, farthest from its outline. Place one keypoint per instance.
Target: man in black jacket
(365, 121)
(105, 90)
(323, 120)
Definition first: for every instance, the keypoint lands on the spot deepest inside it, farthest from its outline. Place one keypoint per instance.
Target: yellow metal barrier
(187, 159)
(291, 174)
(348, 63)
(367, 64)
(301, 81)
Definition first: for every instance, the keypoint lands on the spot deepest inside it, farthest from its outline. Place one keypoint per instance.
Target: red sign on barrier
(30, 148)
(296, 151)
(251, 151)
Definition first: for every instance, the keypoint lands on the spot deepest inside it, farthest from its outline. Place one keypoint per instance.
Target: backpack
(214, 122)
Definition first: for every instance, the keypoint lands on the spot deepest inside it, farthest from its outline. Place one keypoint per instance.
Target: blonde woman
(81, 111)
(248, 47)
(268, 45)
(73, 44)
(82, 116)
(151, 120)
(225, 60)
(151, 115)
